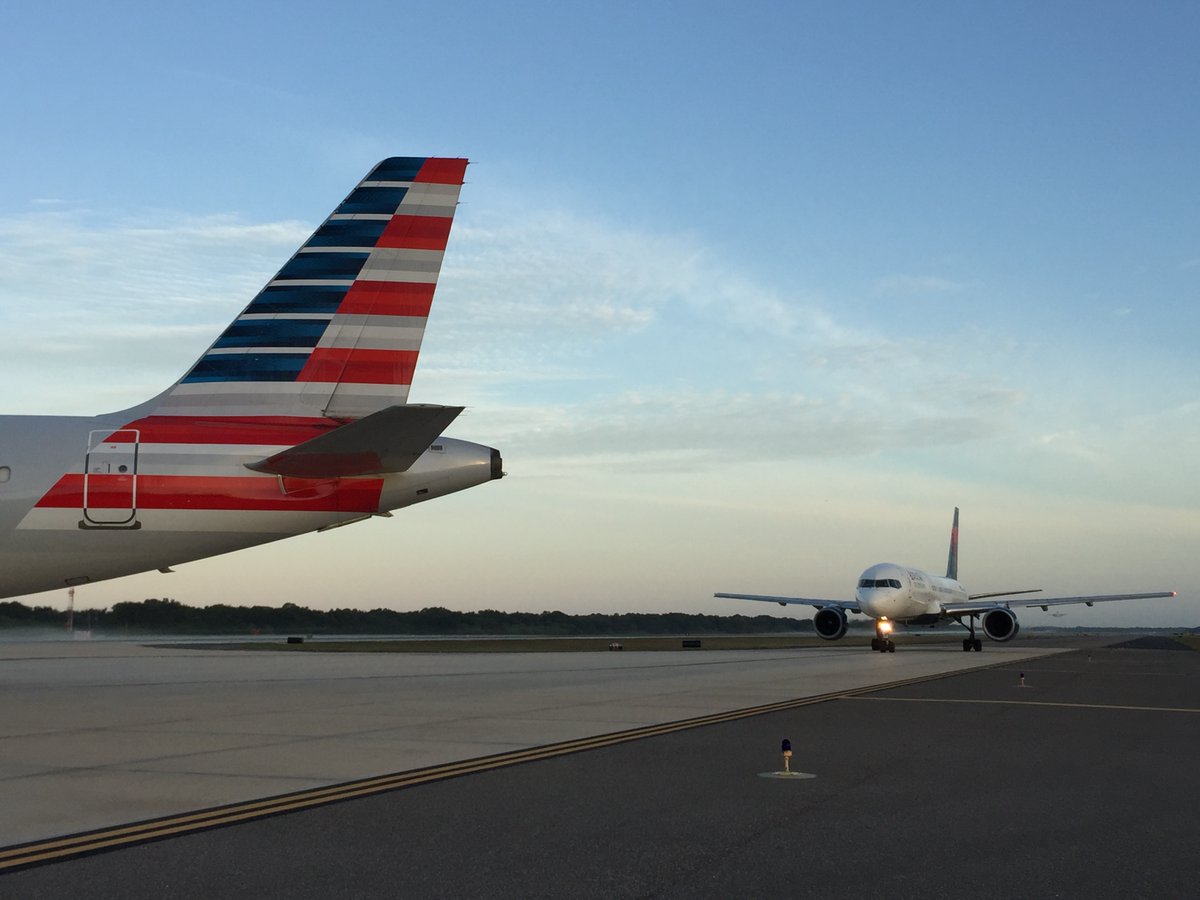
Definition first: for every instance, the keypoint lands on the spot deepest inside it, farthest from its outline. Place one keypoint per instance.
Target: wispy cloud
(557, 273)
(1073, 444)
(67, 262)
(562, 285)
(571, 337)
(692, 430)
(568, 338)
(115, 307)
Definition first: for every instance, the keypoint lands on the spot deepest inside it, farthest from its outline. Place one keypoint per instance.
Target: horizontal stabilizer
(390, 440)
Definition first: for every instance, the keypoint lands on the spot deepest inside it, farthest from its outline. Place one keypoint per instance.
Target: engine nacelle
(1000, 624)
(830, 622)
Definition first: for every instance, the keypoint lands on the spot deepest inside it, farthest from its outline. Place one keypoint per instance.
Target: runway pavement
(1082, 779)
(94, 734)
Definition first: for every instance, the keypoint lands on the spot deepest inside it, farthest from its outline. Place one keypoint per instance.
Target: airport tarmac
(971, 783)
(99, 733)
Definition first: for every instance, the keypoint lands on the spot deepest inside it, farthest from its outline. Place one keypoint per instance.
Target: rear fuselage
(309, 384)
(86, 499)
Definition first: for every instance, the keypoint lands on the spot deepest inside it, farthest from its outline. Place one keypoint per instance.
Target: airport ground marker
(786, 773)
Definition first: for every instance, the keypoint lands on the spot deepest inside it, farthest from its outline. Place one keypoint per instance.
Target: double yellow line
(58, 849)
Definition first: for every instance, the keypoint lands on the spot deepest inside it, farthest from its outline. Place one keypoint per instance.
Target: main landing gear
(882, 640)
(972, 642)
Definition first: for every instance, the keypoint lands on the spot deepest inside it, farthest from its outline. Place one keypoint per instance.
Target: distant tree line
(167, 616)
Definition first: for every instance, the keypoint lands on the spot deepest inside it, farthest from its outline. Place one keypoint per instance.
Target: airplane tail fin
(952, 560)
(337, 331)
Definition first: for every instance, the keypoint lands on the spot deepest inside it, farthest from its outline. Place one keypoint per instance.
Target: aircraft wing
(962, 609)
(1005, 593)
(848, 605)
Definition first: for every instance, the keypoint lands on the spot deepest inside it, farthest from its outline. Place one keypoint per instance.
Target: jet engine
(830, 622)
(1000, 624)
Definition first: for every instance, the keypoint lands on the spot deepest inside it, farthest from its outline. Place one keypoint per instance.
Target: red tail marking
(349, 366)
(386, 298)
(442, 171)
(416, 233)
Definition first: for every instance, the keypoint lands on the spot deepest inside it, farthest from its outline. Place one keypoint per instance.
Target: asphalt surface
(100, 734)
(1081, 783)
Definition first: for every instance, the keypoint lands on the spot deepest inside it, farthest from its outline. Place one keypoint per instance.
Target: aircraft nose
(874, 602)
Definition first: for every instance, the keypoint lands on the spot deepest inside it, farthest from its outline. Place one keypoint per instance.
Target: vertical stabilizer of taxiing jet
(952, 559)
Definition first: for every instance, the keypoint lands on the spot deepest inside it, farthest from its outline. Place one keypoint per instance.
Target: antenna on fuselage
(952, 560)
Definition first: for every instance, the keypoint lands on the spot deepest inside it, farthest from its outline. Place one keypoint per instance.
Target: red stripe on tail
(349, 366)
(386, 298)
(416, 233)
(442, 171)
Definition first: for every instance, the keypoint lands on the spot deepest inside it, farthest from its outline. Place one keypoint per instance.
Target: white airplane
(897, 595)
(295, 420)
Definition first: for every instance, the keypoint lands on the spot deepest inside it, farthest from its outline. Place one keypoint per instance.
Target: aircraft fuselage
(86, 499)
(901, 594)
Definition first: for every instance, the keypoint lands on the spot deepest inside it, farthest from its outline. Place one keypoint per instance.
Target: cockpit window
(879, 582)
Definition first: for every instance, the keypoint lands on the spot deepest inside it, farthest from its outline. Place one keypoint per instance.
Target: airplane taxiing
(295, 420)
(898, 595)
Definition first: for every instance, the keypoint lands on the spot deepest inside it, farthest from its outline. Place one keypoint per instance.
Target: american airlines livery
(897, 595)
(295, 420)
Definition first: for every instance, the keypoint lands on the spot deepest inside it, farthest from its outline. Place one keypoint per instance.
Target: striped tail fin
(952, 559)
(337, 331)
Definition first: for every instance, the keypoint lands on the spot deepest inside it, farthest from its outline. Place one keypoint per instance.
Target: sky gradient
(749, 296)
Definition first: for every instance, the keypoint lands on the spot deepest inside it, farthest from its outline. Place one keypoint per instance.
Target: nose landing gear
(883, 641)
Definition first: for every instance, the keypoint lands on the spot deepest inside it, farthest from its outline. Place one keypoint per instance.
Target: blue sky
(750, 296)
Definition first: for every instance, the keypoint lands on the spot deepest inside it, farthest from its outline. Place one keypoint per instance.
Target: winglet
(952, 560)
